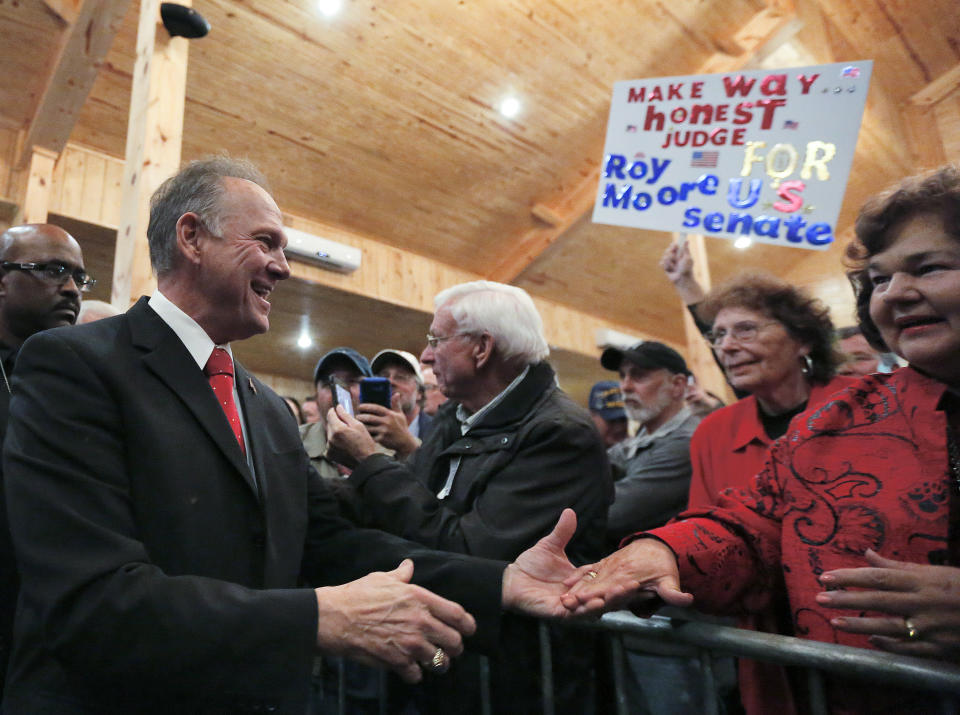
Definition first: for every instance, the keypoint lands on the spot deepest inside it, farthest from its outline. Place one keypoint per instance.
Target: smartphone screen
(341, 395)
(375, 390)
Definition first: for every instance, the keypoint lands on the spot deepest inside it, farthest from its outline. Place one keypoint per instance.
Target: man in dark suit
(168, 526)
(41, 278)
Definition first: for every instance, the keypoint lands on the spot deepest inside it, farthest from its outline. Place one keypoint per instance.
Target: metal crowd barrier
(707, 640)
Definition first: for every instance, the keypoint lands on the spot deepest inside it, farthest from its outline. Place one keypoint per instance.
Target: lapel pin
(253, 387)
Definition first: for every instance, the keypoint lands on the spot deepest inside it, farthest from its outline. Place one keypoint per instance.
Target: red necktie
(219, 371)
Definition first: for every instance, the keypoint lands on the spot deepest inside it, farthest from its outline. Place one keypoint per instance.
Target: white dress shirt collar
(193, 337)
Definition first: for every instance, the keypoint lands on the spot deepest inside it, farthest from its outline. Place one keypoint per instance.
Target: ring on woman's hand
(439, 664)
(912, 632)
(591, 574)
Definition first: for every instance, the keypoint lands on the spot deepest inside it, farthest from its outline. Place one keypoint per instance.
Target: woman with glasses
(775, 345)
(857, 508)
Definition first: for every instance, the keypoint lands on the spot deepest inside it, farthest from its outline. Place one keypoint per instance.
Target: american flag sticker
(705, 159)
(850, 71)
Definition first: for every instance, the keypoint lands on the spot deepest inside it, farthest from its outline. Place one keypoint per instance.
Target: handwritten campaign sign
(763, 154)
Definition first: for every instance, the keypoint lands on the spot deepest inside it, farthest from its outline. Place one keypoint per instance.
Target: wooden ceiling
(384, 120)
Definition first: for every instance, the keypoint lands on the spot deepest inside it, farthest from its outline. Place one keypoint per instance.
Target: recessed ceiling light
(510, 107)
(329, 8)
(743, 242)
(304, 341)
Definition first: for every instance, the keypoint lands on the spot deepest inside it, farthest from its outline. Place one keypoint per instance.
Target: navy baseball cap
(607, 401)
(341, 355)
(647, 354)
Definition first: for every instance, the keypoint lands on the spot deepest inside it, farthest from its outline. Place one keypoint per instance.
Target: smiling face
(759, 365)
(239, 268)
(915, 302)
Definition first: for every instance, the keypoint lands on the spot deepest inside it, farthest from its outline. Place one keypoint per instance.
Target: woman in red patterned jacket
(863, 492)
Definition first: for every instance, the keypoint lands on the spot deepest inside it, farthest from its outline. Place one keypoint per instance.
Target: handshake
(384, 620)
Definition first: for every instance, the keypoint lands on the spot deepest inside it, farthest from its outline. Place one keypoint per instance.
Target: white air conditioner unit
(329, 254)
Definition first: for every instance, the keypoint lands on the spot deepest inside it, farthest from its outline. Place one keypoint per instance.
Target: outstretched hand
(639, 576)
(535, 582)
(384, 620)
(911, 598)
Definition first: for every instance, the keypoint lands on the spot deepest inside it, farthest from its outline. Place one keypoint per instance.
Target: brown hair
(935, 192)
(806, 319)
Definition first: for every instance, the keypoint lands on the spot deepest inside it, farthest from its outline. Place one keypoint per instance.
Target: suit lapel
(254, 415)
(166, 356)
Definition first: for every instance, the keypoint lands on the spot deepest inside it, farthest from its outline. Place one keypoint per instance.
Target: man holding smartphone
(397, 423)
(349, 367)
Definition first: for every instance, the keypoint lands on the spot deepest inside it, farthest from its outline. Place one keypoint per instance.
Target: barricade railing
(706, 641)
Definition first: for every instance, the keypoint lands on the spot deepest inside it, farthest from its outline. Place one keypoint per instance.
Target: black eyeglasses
(54, 273)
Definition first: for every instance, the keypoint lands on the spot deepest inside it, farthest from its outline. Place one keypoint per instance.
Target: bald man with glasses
(41, 279)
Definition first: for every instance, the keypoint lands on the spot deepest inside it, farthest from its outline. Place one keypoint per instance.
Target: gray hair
(504, 311)
(196, 188)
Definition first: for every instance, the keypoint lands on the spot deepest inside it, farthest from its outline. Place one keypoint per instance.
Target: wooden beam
(558, 219)
(562, 214)
(939, 88)
(947, 115)
(765, 26)
(66, 10)
(89, 33)
(154, 139)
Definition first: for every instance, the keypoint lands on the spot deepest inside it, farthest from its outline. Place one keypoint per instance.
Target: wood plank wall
(87, 186)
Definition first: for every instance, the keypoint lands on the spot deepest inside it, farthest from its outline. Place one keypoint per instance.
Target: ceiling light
(743, 242)
(510, 107)
(329, 8)
(304, 341)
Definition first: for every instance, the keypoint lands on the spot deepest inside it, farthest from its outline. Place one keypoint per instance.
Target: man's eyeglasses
(745, 332)
(434, 340)
(54, 273)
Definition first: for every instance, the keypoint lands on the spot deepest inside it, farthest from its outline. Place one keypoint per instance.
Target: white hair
(504, 311)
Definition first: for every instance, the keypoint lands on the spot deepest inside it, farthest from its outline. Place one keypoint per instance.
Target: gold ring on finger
(912, 632)
(440, 663)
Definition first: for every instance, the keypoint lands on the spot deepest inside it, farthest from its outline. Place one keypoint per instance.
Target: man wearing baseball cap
(606, 409)
(401, 432)
(652, 478)
(652, 469)
(348, 366)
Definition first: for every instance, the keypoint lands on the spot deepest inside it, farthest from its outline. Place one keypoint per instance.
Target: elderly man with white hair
(508, 451)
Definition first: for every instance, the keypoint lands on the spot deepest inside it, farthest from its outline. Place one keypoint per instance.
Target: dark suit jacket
(154, 576)
(9, 581)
